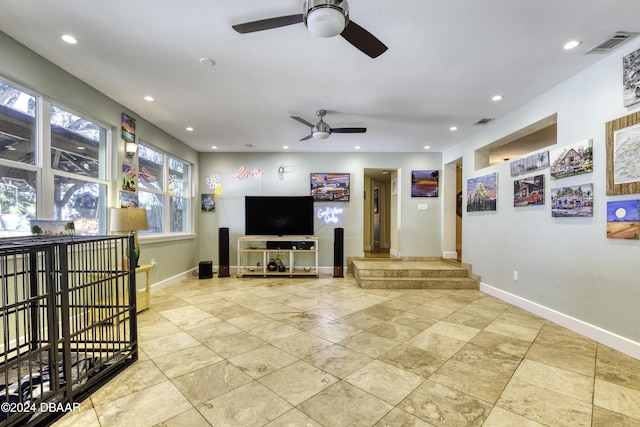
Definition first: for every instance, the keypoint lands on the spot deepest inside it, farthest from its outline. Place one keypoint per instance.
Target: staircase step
(418, 283)
(412, 274)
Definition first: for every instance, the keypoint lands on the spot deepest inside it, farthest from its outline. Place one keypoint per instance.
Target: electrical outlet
(423, 207)
(153, 262)
(515, 275)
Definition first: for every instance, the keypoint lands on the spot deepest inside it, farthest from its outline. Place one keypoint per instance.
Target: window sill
(142, 239)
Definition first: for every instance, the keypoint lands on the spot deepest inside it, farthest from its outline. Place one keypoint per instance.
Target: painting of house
(528, 191)
(572, 160)
(572, 201)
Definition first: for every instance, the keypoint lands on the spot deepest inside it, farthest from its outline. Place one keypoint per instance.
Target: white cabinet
(299, 255)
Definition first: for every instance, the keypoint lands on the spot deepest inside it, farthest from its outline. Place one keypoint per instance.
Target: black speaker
(338, 253)
(205, 270)
(223, 252)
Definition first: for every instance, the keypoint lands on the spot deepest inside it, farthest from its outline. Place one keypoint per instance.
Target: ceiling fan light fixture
(319, 134)
(326, 18)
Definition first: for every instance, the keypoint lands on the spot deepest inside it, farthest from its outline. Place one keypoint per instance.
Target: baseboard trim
(172, 280)
(617, 342)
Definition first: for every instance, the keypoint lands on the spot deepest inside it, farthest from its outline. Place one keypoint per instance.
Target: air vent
(483, 121)
(612, 42)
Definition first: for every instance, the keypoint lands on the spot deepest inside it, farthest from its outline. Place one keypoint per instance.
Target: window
(164, 190)
(72, 186)
(18, 173)
(79, 182)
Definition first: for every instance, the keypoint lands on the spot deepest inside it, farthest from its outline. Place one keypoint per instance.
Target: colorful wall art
(622, 220)
(482, 193)
(572, 160)
(424, 183)
(572, 201)
(333, 187)
(528, 191)
(207, 203)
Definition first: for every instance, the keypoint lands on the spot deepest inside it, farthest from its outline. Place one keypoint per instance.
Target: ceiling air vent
(612, 42)
(483, 121)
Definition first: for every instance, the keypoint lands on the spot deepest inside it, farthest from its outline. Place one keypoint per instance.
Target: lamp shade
(325, 22)
(130, 148)
(128, 219)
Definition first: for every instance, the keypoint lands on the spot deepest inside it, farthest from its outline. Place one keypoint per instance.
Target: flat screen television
(278, 215)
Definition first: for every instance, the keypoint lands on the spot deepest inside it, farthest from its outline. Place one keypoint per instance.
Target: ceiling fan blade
(268, 24)
(301, 120)
(348, 130)
(363, 40)
(306, 137)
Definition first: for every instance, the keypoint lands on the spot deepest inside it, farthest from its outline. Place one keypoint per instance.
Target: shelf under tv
(292, 248)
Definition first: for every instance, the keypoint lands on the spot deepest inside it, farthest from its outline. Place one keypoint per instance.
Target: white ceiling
(446, 59)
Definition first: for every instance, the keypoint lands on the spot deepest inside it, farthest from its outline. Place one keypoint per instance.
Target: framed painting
(333, 187)
(532, 163)
(623, 155)
(528, 191)
(630, 79)
(207, 203)
(128, 200)
(482, 193)
(572, 201)
(128, 128)
(571, 160)
(424, 183)
(623, 219)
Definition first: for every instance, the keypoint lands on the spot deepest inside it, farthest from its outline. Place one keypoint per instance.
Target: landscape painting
(572, 201)
(528, 191)
(532, 163)
(623, 221)
(482, 193)
(572, 160)
(424, 183)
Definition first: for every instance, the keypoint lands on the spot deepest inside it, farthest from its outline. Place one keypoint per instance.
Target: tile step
(418, 283)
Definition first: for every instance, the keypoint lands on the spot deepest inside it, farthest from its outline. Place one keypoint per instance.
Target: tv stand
(296, 249)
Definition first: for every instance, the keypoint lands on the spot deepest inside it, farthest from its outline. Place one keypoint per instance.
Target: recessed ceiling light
(572, 44)
(426, 147)
(286, 147)
(208, 62)
(452, 128)
(497, 98)
(213, 147)
(148, 98)
(11, 148)
(189, 129)
(69, 38)
(81, 148)
(357, 147)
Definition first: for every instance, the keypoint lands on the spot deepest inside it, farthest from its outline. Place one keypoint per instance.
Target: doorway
(377, 212)
(454, 201)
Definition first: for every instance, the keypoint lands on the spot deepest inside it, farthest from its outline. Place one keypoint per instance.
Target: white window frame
(167, 234)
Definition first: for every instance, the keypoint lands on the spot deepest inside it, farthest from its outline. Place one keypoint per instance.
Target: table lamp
(130, 220)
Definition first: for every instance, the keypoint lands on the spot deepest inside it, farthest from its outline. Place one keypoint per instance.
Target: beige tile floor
(323, 352)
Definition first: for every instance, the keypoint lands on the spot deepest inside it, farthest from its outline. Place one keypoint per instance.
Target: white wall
(419, 237)
(565, 265)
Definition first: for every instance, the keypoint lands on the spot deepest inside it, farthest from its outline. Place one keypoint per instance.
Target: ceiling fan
(323, 18)
(322, 130)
